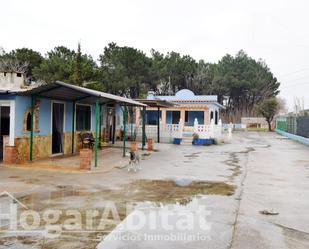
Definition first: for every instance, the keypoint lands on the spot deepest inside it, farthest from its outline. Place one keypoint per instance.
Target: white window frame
(11, 104)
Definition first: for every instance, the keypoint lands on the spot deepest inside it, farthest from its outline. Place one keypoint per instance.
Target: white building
(12, 80)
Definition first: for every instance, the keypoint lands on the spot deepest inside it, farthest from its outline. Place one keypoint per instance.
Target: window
(216, 117)
(192, 115)
(211, 115)
(83, 118)
(152, 117)
(18, 74)
(172, 117)
(28, 122)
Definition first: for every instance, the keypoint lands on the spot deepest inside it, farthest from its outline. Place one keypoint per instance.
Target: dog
(134, 162)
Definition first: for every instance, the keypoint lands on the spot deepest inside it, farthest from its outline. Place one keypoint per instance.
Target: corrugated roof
(156, 103)
(63, 91)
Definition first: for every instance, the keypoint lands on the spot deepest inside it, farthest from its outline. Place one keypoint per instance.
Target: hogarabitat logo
(17, 219)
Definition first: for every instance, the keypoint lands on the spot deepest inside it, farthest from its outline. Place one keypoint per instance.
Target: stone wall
(41, 147)
(68, 142)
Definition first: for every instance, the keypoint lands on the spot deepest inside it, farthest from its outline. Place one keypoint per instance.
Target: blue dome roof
(185, 94)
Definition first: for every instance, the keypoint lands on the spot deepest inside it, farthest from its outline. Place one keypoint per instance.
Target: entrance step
(187, 134)
(187, 140)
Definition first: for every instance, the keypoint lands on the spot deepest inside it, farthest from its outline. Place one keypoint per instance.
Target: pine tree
(78, 67)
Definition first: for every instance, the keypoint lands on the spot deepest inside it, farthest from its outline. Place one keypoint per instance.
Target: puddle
(193, 155)
(155, 192)
(31, 181)
(14, 177)
(233, 161)
(161, 191)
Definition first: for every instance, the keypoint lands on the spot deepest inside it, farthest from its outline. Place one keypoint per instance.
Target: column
(97, 114)
(12, 123)
(143, 127)
(137, 116)
(206, 117)
(182, 117)
(32, 128)
(158, 125)
(163, 117)
(73, 125)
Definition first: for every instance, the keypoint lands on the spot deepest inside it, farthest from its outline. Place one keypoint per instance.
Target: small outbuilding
(44, 121)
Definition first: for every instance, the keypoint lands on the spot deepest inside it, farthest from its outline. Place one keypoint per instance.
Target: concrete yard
(254, 190)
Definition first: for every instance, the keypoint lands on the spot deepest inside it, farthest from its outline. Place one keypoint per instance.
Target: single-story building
(186, 107)
(43, 121)
(181, 109)
(254, 122)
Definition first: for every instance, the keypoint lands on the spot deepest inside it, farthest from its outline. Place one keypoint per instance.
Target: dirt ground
(255, 190)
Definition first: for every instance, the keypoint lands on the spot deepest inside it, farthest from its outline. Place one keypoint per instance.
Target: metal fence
(303, 126)
(291, 125)
(294, 125)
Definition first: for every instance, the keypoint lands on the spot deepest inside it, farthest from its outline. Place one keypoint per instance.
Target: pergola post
(96, 133)
(124, 130)
(143, 127)
(73, 126)
(114, 125)
(158, 125)
(32, 127)
(100, 125)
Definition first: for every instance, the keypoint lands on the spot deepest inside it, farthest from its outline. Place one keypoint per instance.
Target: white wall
(10, 81)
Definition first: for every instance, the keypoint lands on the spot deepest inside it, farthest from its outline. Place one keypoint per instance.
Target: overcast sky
(274, 30)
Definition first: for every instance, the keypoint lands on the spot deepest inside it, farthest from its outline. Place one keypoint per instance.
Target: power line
(295, 80)
(294, 72)
(300, 83)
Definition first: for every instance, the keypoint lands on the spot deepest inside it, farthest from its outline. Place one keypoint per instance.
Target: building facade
(60, 112)
(186, 108)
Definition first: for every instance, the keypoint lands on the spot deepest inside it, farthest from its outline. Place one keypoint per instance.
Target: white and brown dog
(134, 162)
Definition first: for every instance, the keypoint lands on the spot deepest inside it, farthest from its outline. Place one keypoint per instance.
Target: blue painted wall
(22, 103)
(68, 116)
(7, 97)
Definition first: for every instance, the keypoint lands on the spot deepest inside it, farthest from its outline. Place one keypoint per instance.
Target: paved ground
(108, 158)
(233, 182)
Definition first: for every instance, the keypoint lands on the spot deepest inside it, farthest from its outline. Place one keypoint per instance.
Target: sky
(274, 30)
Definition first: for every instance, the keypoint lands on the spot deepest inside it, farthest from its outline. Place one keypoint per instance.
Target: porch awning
(156, 103)
(62, 91)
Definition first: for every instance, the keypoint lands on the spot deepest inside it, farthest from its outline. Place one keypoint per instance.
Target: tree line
(240, 81)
